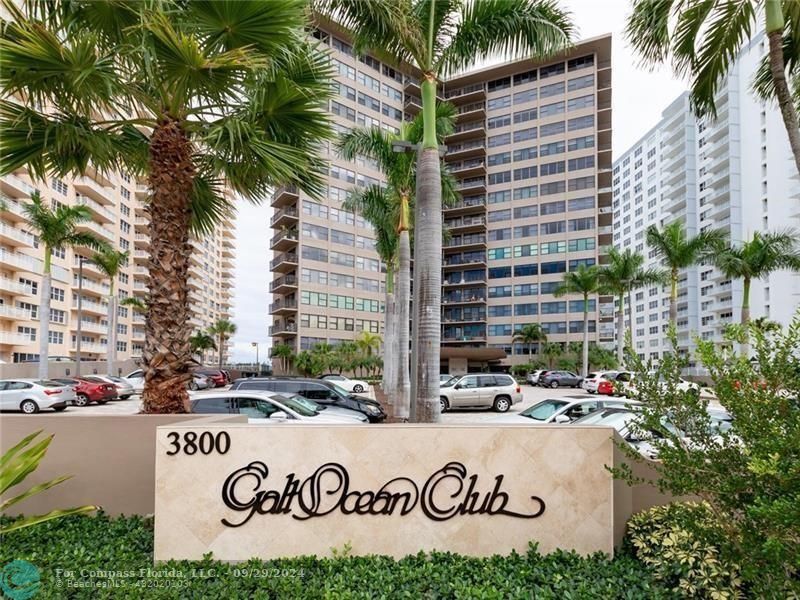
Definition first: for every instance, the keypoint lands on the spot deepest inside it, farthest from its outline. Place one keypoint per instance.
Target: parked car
(554, 379)
(563, 410)
(200, 382)
(124, 389)
(444, 378)
(217, 376)
(497, 391)
(628, 388)
(325, 393)
(88, 389)
(32, 395)
(136, 380)
(266, 408)
(355, 386)
(592, 380)
(533, 378)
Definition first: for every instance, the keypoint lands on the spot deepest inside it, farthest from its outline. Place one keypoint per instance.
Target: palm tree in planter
(584, 281)
(757, 258)
(388, 208)
(440, 38)
(677, 251)
(56, 230)
(190, 96)
(285, 354)
(110, 261)
(530, 334)
(200, 342)
(623, 273)
(223, 330)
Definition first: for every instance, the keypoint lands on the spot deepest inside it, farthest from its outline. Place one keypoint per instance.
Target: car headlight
(374, 410)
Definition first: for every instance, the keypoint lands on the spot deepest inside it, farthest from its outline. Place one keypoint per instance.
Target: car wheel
(443, 404)
(29, 407)
(502, 404)
(124, 397)
(59, 408)
(102, 401)
(358, 389)
(81, 400)
(554, 384)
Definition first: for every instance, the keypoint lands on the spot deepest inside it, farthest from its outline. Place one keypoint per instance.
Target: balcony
(463, 338)
(473, 185)
(464, 317)
(15, 288)
(16, 187)
(472, 111)
(467, 131)
(90, 327)
(283, 329)
(284, 262)
(141, 240)
(412, 104)
(283, 306)
(98, 210)
(467, 205)
(12, 313)
(473, 296)
(20, 262)
(10, 338)
(89, 187)
(284, 196)
(90, 306)
(466, 242)
(284, 284)
(101, 289)
(141, 256)
(284, 217)
(141, 272)
(11, 210)
(466, 224)
(15, 237)
(195, 283)
(284, 240)
(464, 150)
(142, 191)
(473, 167)
(454, 282)
(97, 229)
(468, 259)
(141, 222)
(137, 334)
(90, 347)
(467, 94)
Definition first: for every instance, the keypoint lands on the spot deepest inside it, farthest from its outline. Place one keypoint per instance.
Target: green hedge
(126, 544)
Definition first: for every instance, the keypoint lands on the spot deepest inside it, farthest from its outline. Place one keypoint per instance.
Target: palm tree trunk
(777, 67)
(390, 335)
(44, 318)
(673, 298)
(221, 349)
(621, 330)
(403, 301)
(585, 349)
(746, 316)
(428, 263)
(111, 349)
(167, 352)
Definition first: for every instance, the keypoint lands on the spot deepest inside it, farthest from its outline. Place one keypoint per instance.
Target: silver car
(497, 391)
(32, 395)
(267, 408)
(124, 389)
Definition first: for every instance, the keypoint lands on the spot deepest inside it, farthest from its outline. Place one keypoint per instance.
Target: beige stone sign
(243, 491)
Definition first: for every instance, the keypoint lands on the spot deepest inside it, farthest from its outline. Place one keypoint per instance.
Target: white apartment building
(734, 173)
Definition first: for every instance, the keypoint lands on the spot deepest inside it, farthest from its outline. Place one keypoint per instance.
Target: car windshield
(544, 410)
(300, 405)
(340, 391)
(334, 378)
(450, 382)
(617, 420)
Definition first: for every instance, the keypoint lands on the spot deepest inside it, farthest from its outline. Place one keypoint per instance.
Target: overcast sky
(639, 96)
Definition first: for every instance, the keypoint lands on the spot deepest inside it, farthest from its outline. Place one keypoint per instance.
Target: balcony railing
(471, 183)
(95, 206)
(15, 287)
(289, 211)
(454, 148)
(12, 312)
(465, 259)
(285, 257)
(470, 126)
(465, 222)
(284, 303)
(281, 281)
(285, 328)
(469, 89)
(465, 240)
(17, 234)
(284, 235)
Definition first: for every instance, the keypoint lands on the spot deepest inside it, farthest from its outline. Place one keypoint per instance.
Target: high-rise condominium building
(116, 202)
(734, 173)
(532, 155)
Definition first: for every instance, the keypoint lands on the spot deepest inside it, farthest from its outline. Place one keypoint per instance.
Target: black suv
(318, 390)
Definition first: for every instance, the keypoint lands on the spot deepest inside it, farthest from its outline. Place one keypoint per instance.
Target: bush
(668, 540)
(520, 370)
(83, 544)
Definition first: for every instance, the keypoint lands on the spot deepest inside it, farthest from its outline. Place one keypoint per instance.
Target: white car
(562, 410)
(32, 395)
(628, 387)
(136, 380)
(267, 408)
(354, 386)
(590, 382)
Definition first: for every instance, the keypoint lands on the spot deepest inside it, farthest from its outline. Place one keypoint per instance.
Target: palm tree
(677, 251)
(189, 96)
(199, 342)
(624, 273)
(110, 261)
(585, 281)
(702, 38)
(323, 355)
(367, 342)
(223, 329)
(757, 259)
(389, 208)
(529, 334)
(137, 305)
(56, 230)
(552, 350)
(284, 353)
(440, 38)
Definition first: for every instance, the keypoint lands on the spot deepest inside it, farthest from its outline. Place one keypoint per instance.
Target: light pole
(258, 364)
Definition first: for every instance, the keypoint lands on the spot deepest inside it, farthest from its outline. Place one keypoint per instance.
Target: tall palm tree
(110, 261)
(678, 251)
(367, 342)
(757, 258)
(190, 96)
(389, 208)
(440, 38)
(586, 282)
(56, 230)
(200, 341)
(701, 39)
(624, 273)
(552, 350)
(530, 334)
(284, 353)
(223, 329)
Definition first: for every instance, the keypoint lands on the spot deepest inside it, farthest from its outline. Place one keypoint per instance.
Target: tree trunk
(777, 67)
(746, 316)
(621, 330)
(403, 301)
(44, 319)
(221, 349)
(673, 299)
(111, 348)
(167, 352)
(585, 349)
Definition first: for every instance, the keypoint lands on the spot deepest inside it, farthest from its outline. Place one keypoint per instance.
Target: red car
(219, 378)
(89, 389)
(605, 387)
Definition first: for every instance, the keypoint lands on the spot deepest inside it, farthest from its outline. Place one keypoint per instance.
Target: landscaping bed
(100, 557)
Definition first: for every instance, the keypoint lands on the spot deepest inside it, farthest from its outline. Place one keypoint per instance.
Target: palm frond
(372, 143)
(647, 29)
(209, 204)
(110, 261)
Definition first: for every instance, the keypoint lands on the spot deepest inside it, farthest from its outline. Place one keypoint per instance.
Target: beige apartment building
(532, 155)
(116, 201)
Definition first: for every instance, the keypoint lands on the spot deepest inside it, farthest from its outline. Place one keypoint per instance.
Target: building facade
(734, 173)
(116, 202)
(531, 152)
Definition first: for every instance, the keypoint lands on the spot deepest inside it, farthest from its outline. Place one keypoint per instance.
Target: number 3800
(205, 443)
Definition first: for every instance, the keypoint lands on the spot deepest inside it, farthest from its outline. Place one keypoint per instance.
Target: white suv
(480, 390)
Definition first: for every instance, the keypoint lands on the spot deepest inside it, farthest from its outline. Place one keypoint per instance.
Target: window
(580, 143)
(583, 162)
(581, 203)
(500, 310)
(530, 191)
(501, 121)
(525, 116)
(551, 129)
(501, 177)
(391, 93)
(525, 96)
(548, 268)
(29, 332)
(315, 232)
(553, 227)
(499, 272)
(548, 110)
(500, 291)
(55, 337)
(525, 134)
(526, 309)
(526, 270)
(344, 70)
(525, 153)
(581, 224)
(499, 215)
(499, 140)
(315, 210)
(499, 234)
(59, 186)
(499, 159)
(552, 248)
(312, 253)
(578, 245)
(554, 187)
(313, 276)
(525, 77)
(553, 168)
(342, 237)
(550, 308)
(499, 253)
(341, 258)
(523, 212)
(501, 102)
(369, 82)
(499, 84)
(581, 183)
(369, 102)
(526, 289)
(580, 103)
(57, 294)
(581, 62)
(392, 112)
(498, 197)
(343, 111)
(581, 122)
(57, 316)
(579, 83)
(551, 148)
(553, 208)
(524, 231)
(551, 71)
(124, 193)
(525, 173)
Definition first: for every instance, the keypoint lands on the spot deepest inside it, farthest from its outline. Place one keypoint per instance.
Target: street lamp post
(258, 364)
